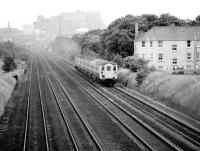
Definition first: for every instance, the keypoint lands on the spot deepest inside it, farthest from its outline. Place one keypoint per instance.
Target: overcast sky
(19, 12)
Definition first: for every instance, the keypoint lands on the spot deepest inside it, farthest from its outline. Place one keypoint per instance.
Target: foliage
(143, 73)
(9, 64)
(8, 48)
(118, 59)
(167, 19)
(89, 40)
(134, 63)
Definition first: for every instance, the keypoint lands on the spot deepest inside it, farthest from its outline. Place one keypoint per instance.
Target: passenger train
(98, 69)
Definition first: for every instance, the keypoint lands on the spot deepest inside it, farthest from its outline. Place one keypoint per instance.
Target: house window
(151, 56)
(188, 56)
(160, 43)
(160, 57)
(198, 57)
(174, 47)
(151, 43)
(188, 43)
(188, 66)
(143, 43)
(174, 61)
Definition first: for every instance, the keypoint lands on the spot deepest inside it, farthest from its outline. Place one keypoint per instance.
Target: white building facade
(170, 47)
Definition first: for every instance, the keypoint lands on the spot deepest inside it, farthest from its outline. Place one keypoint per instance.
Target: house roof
(171, 33)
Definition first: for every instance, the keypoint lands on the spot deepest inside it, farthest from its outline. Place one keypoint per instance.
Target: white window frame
(174, 47)
(143, 43)
(174, 61)
(160, 57)
(160, 43)
(188, 43)
(151, 44)
(198, 55)
(188, 56)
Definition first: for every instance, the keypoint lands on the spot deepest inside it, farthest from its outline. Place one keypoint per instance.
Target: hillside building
(170, 47)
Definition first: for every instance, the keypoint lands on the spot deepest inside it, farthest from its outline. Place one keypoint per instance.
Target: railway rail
(178, 127)
(158, 138)
(35, 135)
(61, 96)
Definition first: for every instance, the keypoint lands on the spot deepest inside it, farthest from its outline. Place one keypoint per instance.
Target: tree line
(9, 51)
(119, 36)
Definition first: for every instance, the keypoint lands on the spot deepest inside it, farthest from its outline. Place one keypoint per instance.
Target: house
(170, 47)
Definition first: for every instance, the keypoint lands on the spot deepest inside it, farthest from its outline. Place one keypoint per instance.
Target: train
(100, 70)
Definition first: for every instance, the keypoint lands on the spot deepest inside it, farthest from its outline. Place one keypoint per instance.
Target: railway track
(35, 135)
(149, 138)
(181, 129)
(81, 136)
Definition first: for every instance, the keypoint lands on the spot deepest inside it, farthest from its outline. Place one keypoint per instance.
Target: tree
(134, 63)
(9, 64)
(167, 19)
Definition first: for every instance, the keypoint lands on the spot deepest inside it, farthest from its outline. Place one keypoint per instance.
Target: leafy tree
(167, 19)
(9, 64)
(89, 40)
(197, 19)
(134, 63)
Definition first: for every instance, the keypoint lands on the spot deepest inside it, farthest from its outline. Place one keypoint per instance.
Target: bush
(8, 64)
(142, 74)
(134, 63)
(118, 60)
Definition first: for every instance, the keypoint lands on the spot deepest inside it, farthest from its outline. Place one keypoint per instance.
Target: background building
(170, 47)
(67, 24)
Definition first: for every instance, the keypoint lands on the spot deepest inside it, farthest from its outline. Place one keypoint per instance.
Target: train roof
(98, 62)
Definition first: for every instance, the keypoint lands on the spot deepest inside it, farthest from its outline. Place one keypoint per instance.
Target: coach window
(102, 68)
(114, 68)
(108, 68)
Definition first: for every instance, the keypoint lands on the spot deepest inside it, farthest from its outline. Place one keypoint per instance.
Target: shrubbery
(134, 63)
(8, 64)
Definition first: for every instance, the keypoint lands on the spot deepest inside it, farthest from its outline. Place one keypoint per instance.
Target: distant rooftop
(171, 33)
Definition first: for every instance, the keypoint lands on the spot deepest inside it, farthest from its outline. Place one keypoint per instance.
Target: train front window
(108, 68)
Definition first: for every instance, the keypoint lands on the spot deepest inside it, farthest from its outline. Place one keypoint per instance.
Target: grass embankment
(7, 84)
(179, 92)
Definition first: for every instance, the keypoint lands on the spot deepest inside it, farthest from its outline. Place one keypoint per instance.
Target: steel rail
(77, 111)
(28, 109)
(61, 110)
(43, 112)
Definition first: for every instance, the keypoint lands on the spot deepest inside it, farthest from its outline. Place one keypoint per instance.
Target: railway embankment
(179, 92)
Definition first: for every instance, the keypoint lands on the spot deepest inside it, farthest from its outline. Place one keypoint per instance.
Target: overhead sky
(19, 12)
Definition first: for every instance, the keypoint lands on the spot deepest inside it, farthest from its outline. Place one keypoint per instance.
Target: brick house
(170, 47)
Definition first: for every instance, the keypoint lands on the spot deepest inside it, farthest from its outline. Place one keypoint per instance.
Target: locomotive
(98, 69)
